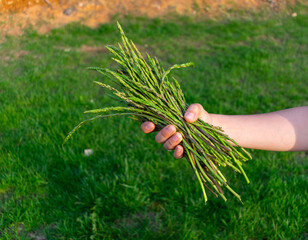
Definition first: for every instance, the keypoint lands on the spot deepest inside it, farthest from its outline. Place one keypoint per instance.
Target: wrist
(218, 120)
(211, 119)
(207, 117)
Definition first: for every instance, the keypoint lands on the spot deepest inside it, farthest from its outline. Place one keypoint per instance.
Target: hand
(168, 135)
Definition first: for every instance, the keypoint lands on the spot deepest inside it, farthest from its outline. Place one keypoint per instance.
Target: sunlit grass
(130, 188)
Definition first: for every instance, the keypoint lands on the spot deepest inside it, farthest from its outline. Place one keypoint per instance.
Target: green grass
(131, 188)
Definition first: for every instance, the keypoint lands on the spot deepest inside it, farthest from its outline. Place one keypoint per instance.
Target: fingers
(165, 134)
(173, 141)
(168, 136)
(147, 127)
(178, 152)
(193, 112)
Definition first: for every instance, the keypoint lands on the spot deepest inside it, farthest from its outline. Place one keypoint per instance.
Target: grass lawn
(131, 188)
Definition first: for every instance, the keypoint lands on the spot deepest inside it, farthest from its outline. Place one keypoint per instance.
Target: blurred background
(111, 181)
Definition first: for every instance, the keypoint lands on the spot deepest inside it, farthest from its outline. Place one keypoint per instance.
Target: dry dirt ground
(43, 15)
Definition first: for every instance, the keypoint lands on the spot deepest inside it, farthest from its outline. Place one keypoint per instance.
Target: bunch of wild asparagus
(150, 95)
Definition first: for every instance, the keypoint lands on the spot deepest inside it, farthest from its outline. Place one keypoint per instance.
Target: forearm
(285, 130)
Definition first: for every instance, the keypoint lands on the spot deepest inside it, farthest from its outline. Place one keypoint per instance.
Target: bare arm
(285, 130)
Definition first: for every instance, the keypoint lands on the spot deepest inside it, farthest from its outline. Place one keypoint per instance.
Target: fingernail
(170, 129)
(176, 137)
(147, 127)
(190, 116)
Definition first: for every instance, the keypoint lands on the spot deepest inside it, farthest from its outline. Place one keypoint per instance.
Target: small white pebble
(88, 152)
(294, 14)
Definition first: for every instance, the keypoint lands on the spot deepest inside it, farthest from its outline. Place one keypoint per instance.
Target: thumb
(194, 112)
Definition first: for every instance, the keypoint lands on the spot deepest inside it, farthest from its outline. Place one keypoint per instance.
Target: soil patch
(44, 15)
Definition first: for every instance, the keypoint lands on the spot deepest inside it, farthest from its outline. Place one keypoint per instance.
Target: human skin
(284, 130)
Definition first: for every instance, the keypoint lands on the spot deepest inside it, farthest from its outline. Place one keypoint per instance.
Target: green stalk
(152, 95)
